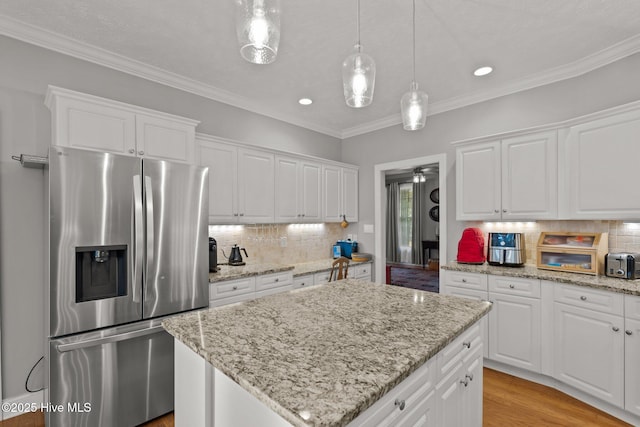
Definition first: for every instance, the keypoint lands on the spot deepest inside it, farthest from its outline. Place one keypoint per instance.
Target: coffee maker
(507, 249)
(213, 255)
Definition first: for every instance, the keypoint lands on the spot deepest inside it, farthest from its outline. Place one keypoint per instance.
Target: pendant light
(414, 103)
(258, 29)
(358, 75)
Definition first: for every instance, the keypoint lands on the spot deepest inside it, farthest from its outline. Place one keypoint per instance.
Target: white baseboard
(22, 404)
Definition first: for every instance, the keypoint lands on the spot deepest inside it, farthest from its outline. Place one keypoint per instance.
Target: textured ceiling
(195, 39)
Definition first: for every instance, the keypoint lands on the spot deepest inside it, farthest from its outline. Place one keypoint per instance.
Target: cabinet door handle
(465, 382)
(583, 298)
(464, 280)
(511, 286)
(277, 280)
(628, 332)
(496, 210)
(131, 150)
(504, 210)
(235, 287)
(241, 214)
(400, 404)
(469, 376)
(302, 284)
(235, 214)
(615, 329)
(141, 152)
(467, 344)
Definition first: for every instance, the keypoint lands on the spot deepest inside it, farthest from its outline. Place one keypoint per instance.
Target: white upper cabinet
(510, 179)
(256, 175)
(222, 160)
(298, 190)
(340, 193)
(602, 168)
(478, 194)
(530, 176)
(93, 123)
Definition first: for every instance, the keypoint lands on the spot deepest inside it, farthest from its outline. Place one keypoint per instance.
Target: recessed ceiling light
(482, 71)
(305, 101)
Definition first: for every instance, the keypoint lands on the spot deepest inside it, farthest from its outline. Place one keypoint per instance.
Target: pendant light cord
(414, 41)
(358, 23)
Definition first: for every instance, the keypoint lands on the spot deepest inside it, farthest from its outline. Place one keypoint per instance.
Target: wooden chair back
(339, 269)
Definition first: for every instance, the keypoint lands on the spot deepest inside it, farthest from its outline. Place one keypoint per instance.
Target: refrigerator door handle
(110, 339)
(139, 239)
(148, 189)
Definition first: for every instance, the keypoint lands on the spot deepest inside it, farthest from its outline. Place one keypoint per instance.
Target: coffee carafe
(213, 255)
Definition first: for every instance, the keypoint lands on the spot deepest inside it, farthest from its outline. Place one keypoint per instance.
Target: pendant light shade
(414, 108)
(258, 29)
(413, 104)
(358, 74)
(358, 78)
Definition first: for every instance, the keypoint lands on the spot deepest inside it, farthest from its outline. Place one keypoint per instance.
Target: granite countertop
(320, 356)
(230, 272)
(631, 287)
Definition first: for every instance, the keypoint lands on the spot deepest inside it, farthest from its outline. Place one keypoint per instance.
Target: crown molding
(59, 43)
(62, 44)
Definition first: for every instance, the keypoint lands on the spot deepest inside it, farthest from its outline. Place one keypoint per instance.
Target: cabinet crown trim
(54, 91)
(203, 137)
(631, 106)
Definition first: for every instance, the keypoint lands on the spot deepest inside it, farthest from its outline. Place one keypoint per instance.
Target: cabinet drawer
(303, 281)
(273, 281)
(580, 296)
(360, 271)
(466, 280)
(461, 349)
(321, 278)
(415, 392)
(632, 307)
(515, 286)
(230, 288)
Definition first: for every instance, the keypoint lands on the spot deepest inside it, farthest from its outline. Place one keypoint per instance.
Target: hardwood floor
(514, 402)
(508, 401)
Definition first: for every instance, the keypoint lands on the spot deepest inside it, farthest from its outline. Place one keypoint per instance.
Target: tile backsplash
(278, 243)
(622, 237)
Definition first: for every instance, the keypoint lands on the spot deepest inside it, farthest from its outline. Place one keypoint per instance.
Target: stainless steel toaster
(625, 265)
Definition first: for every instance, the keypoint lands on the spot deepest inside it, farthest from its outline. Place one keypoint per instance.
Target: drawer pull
(302, 284)
(277, 280)
(464, 280)
(583, 298)
(511, 286)
(465, 382)
(469, 376)
(400, 404)
(628, 332)
(467, 344)
(235, 287)
(615, 329)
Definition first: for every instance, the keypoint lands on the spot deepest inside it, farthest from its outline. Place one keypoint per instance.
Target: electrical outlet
(283, 242)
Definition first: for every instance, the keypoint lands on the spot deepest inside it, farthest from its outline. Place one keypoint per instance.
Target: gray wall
(25, 127)
(603, 88)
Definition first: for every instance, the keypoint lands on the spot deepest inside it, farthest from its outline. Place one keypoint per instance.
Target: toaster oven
(624, 265)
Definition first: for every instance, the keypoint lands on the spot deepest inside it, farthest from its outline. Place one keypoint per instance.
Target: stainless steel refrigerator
(128, 245)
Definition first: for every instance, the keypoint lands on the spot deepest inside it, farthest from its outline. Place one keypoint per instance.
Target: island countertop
(321, 356)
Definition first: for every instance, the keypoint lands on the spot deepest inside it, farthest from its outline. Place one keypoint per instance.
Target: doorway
(410, 166)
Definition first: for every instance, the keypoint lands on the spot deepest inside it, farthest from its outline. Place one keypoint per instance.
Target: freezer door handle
(138, 233)
(148, 190)
(110, 339)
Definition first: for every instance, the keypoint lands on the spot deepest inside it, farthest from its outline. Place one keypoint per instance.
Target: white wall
(603, 88)
(25, 127)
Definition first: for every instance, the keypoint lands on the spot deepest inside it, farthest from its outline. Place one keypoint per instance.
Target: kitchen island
(324, 356)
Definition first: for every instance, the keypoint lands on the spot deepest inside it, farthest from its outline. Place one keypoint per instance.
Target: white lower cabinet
(303, 281)
(515, 322)
(632, 354)
(248, 288)
(360, 271)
